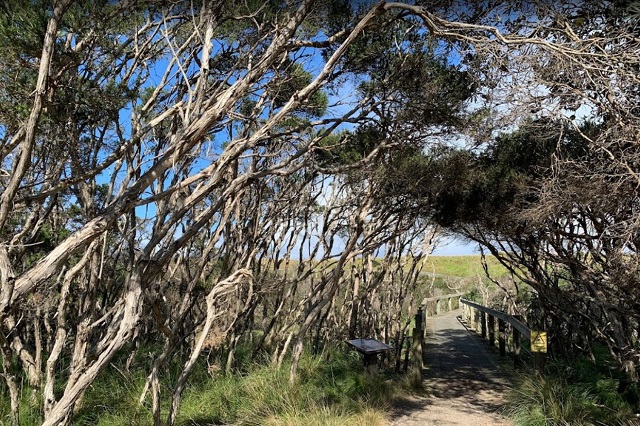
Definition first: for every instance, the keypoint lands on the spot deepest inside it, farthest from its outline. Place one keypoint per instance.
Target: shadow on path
(460, 370)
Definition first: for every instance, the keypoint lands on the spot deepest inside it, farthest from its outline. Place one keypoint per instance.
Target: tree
(151, 168)
(553, 197)
(556, 213)
(162, 141)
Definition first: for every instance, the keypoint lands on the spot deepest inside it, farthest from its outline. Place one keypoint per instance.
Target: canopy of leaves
(459, 186)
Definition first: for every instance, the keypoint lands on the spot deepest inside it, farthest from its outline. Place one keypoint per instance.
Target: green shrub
(328, 390)
(325, 392)
(552, 401)
(611, 386)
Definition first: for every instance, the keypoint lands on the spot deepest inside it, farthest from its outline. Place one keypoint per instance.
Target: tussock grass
(330, 417)
(329, 390)
(543, 401)
(580, 393)
(325, 393)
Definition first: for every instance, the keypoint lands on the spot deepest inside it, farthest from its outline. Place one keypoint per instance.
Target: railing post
(450, 303)
(483, 324)
(492, 330)
(438, 307)
(502, 337)
(416, 348)
(423, 343)
(517, 344)
(473, 318)
(419, 319)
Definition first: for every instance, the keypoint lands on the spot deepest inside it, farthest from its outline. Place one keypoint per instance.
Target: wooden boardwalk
(465, 378)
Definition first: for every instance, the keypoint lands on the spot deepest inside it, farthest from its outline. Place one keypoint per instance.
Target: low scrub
(469, 266)
(329, 390)
(547, 401)
(332, 391)
(581, 393)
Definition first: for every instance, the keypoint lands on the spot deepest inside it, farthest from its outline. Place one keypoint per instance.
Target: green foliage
(426, 90)
(22, 29)
(78, 91)
(581, 392)
(291, 79)
(332, 16)
(329, 390)
(458, 186)
(463, 266)
(550, 401)
(613, 388)
(345, 148)
(546, 401)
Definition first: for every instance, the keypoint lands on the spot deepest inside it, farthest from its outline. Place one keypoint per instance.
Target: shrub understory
(329, 390)
(580, 393)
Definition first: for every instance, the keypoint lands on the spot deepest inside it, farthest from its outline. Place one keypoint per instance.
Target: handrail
(437, 298)
(519, 329)
(516, 323)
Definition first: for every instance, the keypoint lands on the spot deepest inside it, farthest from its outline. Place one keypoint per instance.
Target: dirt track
(466, 380)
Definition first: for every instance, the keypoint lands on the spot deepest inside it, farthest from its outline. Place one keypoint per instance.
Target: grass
(542, 401)
(329, 390)
(579, 392)
(467, 266)
(325, 393)
(463, 266)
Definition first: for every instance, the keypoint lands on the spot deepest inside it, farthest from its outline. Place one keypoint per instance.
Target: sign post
(539, 349)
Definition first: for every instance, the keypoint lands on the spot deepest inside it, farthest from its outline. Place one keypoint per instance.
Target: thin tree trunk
(131, 314)
(225, 286)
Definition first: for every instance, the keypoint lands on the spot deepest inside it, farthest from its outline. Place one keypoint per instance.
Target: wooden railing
(440, 304)
(483, 320)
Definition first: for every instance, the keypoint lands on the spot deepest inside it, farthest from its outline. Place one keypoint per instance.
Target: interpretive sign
(539, 341)
(369, 346)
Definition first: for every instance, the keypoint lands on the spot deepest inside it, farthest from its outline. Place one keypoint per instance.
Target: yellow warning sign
(539, 341)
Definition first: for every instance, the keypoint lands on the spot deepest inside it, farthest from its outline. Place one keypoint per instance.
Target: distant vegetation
(463, 266)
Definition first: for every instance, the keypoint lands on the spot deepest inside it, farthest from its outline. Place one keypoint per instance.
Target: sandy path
(465, 379)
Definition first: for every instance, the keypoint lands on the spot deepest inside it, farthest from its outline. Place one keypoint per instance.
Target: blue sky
(455, 247)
